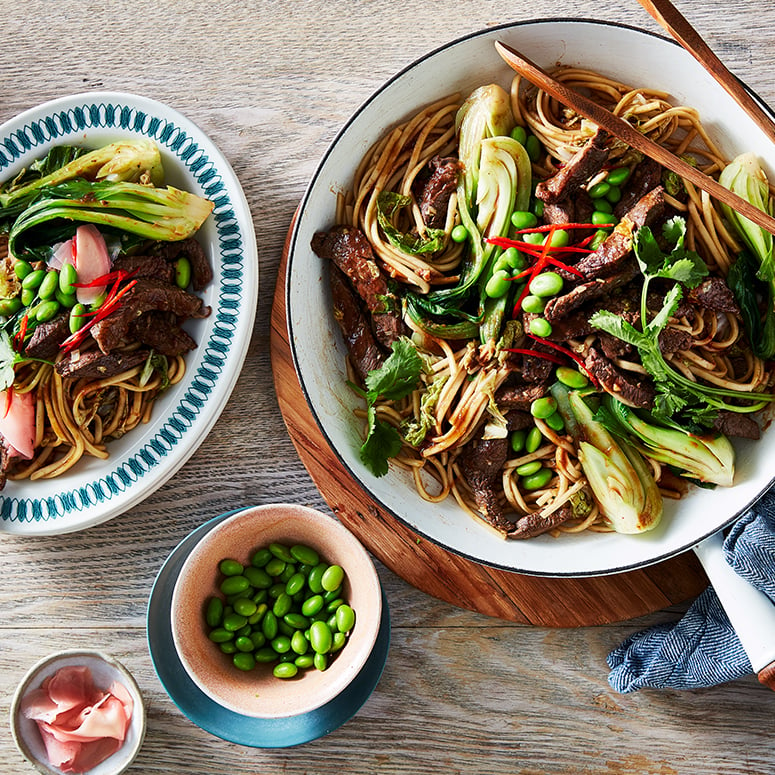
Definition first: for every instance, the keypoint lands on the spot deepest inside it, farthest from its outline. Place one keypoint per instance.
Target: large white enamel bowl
(96, 490)
(631, 55)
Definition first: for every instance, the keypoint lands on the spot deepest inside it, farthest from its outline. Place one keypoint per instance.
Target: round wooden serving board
(550, 602)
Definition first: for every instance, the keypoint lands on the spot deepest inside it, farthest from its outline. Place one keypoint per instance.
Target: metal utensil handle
(750, 611)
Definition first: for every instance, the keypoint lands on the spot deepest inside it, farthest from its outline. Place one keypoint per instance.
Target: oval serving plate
(632, 56)
(96, 490)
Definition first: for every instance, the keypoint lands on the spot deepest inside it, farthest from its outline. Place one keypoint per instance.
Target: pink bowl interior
(258, 693)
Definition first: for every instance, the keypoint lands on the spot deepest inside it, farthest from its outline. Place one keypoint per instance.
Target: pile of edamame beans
(284, 608)
(533, 475)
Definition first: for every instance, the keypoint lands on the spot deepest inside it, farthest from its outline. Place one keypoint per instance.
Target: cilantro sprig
(8, 360)
(394, 380)
(675, 393)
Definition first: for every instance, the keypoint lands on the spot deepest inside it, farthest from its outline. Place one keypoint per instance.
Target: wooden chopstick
(672, 20)
(624, 131)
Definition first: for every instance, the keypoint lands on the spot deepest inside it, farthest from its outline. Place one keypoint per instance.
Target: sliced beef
(518, 420)
(734, 424)
(160, 330)
(47, 337)
(614, 348)
(146, 295)
(672, 340)
(560, 212)
(97, 365)
(632, 390)
(588, 161)
(518, 396)
(535, 524)
(152, 266)
(365, 354)
(714, 294)
(535, 369)
(201, 271)
(351, 252)
(646, 176)
(481, 463)
(560, 307)
(437, 190)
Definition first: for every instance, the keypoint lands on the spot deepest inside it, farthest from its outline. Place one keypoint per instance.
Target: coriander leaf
(382, 442)
(8, 359)
(648, 253)
(674, 230)
(398, 376)
(669, 306)
(388, 203)
(618, 327)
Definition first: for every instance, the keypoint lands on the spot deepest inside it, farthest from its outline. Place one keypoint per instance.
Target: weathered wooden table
(271, 82)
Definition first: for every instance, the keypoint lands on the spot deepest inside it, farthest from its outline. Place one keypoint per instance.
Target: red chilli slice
(565, 351)
(537, 354)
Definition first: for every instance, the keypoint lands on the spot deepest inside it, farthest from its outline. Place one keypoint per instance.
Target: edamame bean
(288, 571)
(345, 618)
(618, 175)
(245, 607)
(275, 566)
(614, 194)
(243, 643)
(459, 233)
(599, 190)
(10, 307)
(338, 640)
(533, 147)
(320, 637)
(315, 575)
(260, 558)
(282, 605)
(602, 206)
(295, 583)
(220, 635)
(281, 644)
(546, 284)
(257, 577)
(538, 207)
(299, 644)
(304, 554)
(227, 647)
(533, 238)
(265, 654)
(280, 551)
(600, 218)
(312, 605)
(243, 661)
(519, 133)
(28, 296)
(533, 304)
(333, 577)
(304, 661)
(33, 280)
(257, 638)
(269, 625)
(230, 567)
(523, 219)
(67, 276)
(46, 310)
(527, 469)
(600, 237)
(68, 301)
(234, 621)
(334, 604)
(558, 238)
(77, 317)
(285, 670)
(22, 268)
(540, 327)
(183, 273)
(533, 439)
(233, 585)
(517, 440)
(498, 285)
(49, 285)
(555, 422)
(296, 621)
(571, 377)
(543, 407)
(214, 611)
(320, 661)
(537, 480)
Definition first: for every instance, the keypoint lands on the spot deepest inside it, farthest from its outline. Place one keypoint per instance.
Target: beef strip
(734, 424)
(518, 396)
(535, 369)
(351, 252)
(201, 271)
(617, 247)
(146, 295)
(672, 340)
(532, 525)
(437, 190)
(632, 390)
(614, 348)
(518, 420)
(481, 463)
(97, 365)
(588, 161)
(713, 293)
(153, 266)
(160, 330)
(560, 307)
(646, 176)
(364, 351)
(47, 337)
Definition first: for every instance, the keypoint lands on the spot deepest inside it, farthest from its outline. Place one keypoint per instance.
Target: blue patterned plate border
(94, 490)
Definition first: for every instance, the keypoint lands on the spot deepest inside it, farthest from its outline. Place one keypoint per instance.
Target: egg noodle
(472, 372)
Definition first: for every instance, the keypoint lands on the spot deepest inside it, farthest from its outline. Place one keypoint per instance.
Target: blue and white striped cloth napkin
(702, 649)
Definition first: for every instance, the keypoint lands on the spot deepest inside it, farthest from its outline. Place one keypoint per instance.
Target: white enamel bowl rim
(95, 491)
(634, 56)
(257, 693)
(105, 669)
